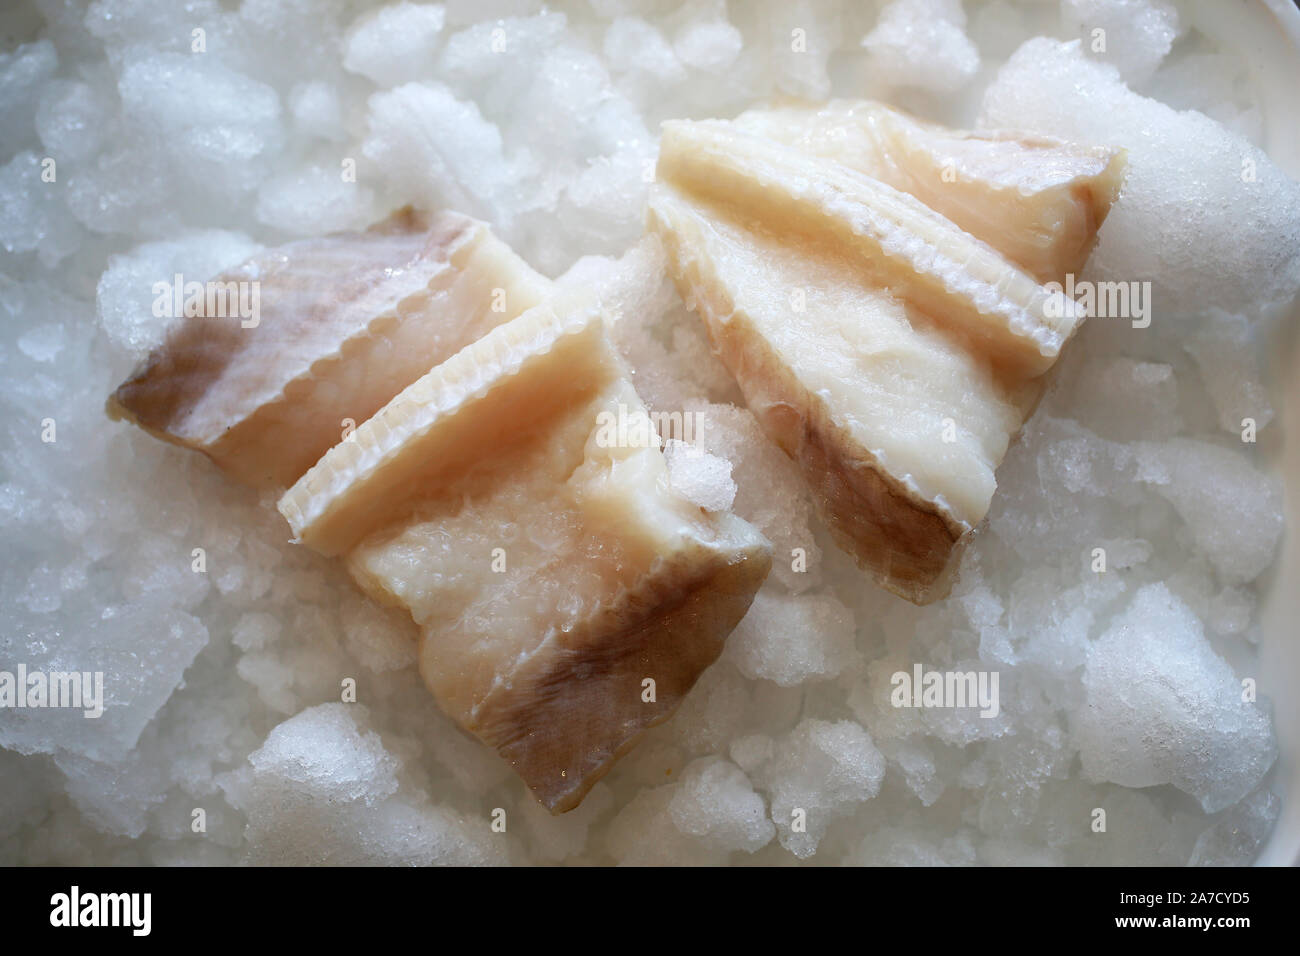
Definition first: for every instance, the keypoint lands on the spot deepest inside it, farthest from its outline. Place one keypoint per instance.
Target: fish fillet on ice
(567, 596)
(1037, 200)
(345, 322)
(890, 353)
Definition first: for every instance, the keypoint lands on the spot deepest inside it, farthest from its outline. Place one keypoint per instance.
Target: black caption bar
(335, 907)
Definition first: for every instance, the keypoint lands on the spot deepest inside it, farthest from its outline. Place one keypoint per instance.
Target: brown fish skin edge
(283, 438)
(564, 710)
(902, 541)
(672, 638)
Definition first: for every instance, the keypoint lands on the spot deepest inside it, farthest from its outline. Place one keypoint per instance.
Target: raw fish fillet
(346, 322)
(890, 353)
(1037, 200)
(551, 567)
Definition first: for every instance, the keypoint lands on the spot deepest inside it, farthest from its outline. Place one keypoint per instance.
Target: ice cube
(1163, 707)
(471, 60)
(441, 150)
(70, 119)
(317, 110)
(715, 802)
(1204, 215)
(255, 630)
(708, 45)
(213, 125)
(818, 772)
(1233, 510)
(323, 790)
(701, 478)
(324, 751)
(315, 200)
(1135, 34)
(395, 44)
(1122, 399)
(916, 761)
(32, 214)
(792, 639)
(1235, 836)
(1227, 355)
(922, 43)
(140, 652)
(601, 208)
(43, 343)
(272, 678)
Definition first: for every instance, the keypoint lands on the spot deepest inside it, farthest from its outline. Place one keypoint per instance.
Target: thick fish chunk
(892, 355)
(1037, 200)
(856, 385)
(549, 564)
(346, 322)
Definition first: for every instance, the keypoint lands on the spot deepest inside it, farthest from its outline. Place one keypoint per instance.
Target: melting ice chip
(1163, 707)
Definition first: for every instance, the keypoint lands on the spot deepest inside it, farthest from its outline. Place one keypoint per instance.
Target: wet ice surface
(1119, 689)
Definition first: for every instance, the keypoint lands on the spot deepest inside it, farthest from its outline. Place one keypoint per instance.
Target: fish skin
(913, 322)
(632, 581)
(366, 482)
(346, 322)
(672, 628)
(897, 533)
(1038, 200)
(904, 245)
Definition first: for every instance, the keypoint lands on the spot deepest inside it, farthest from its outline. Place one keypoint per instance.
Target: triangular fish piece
(890, 353)
(856, 385)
